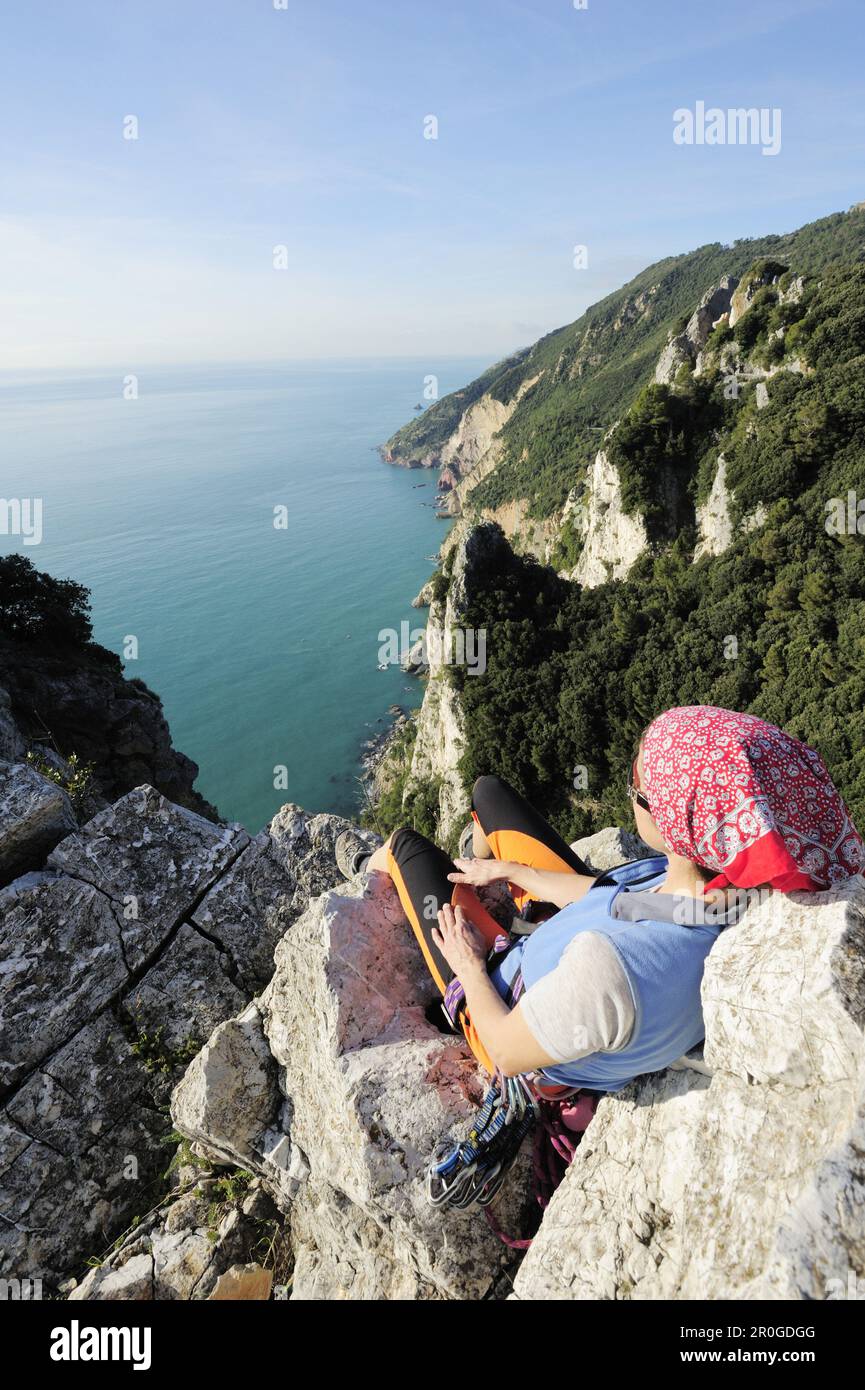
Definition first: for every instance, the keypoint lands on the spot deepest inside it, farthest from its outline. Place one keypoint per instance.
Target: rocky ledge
(141, 932)
(737, 1173)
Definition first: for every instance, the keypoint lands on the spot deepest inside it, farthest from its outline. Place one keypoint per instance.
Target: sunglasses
(633, 790)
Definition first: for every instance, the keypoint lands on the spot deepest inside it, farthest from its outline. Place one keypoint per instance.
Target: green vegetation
(656, 445)
(568, 546)
(575, 675)
(184, 1155)
(34, 607)
(425, 435)
(155, 1053)
(811, 431)
(226, 1193)
(77, 782)
(594, 369)
(440, 584)
(385, 812)
(774, 625)
(392, 807)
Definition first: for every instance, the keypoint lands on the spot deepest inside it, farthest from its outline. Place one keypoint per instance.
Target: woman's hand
(477, 873)
(460, 943)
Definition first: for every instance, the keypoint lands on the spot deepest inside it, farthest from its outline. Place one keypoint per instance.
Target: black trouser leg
(519, 833)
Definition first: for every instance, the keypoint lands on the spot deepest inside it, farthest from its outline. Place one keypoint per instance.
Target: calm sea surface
(262, 642)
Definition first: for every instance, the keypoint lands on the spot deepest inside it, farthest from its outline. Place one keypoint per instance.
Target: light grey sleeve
(584, 1005)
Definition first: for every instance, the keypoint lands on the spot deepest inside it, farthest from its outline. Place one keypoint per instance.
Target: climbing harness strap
(455, 996)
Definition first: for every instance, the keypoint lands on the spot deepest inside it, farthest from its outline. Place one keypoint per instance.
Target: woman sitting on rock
(607, 987)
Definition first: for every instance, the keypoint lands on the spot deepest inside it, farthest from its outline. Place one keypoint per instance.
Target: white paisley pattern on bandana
(719, 783)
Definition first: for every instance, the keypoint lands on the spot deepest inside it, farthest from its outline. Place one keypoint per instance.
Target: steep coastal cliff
(62, 694)
(674, 457)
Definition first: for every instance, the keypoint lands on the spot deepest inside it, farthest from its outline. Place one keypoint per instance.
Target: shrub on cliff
(36, 607)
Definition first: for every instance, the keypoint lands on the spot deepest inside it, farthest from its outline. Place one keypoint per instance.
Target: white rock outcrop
(714, 522)
(440, 741)
(737, 1173)
(362, 1087)
(475, 449)
(34, 814)
(189, 1249)
(475, 432)
(145, 929)
(684, 348)
(612, 539)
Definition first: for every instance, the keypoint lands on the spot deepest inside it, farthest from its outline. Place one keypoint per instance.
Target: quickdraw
(470, 1173)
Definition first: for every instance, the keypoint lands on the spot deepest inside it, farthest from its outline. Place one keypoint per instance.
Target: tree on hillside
(36, 607)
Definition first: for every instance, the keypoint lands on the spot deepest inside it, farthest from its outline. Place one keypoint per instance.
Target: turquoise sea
(262, 642)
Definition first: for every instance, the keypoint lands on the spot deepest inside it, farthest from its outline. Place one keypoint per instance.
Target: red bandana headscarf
(739, 796)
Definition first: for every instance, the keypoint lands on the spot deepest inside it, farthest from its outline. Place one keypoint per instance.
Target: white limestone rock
(229, 1094)
(475, 432)
(608, 848)
(611, 538)
(82, 1146)
(371, 1087)
(150, 930)
(255, 901)
(746, 291)
(151, 859)
(424, 598)
(674, 355)
(61, 960)
(714, 521)
(186, 1250)
(686, 347)
(440, 740)
(131, 1282)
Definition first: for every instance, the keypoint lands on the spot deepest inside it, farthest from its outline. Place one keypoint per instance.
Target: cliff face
(148, 955)
(459, 427)
(321, 1089)
(664, 426)
(733, 1174)
(141, 932)
(440, 741)
(595, 538)
(534, 466)
(740, 1178)
(610, 540)
(77, 701)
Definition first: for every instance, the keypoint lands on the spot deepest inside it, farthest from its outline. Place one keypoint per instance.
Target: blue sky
(304, 127)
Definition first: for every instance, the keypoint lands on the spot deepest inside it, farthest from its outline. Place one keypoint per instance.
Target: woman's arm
(544, 884)
(503, 1031)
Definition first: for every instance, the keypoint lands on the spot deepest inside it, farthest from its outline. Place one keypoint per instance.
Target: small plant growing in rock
(440, 585)
(155, 1054)
(229, 1190)
(184, 1155)
(77, 784)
